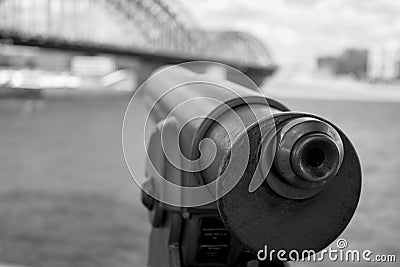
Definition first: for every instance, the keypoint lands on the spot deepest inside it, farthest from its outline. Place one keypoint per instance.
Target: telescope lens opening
(313, 156)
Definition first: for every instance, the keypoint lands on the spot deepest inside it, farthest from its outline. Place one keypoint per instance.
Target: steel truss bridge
(156, 31)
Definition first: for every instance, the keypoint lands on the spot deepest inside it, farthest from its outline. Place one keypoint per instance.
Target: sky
(297, 31)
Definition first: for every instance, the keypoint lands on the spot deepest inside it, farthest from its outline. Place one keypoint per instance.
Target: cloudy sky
(296, 31)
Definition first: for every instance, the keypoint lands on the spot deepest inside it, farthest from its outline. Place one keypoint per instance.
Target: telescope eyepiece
(316, 157)
(309, 153)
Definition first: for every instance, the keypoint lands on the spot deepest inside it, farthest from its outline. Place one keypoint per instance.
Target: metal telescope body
(299, 184)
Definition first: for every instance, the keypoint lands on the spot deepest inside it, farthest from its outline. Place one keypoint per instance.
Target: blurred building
(384, 62)
(352, 62)
(380, 63)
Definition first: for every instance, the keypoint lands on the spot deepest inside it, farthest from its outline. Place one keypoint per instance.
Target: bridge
(157, 32)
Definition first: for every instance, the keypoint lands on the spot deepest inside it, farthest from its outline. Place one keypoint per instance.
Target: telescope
(231, 172)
